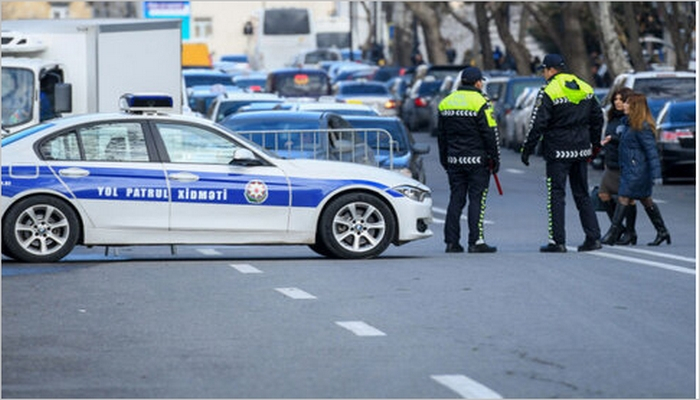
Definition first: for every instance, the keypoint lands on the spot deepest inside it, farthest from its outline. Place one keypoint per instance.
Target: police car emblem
(256, 192)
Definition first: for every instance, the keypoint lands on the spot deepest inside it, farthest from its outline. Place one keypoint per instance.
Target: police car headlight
(413, 193)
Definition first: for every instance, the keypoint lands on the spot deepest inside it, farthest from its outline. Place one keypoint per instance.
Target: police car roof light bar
(145, 102)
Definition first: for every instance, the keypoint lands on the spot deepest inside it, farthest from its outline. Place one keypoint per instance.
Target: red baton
(498, 184)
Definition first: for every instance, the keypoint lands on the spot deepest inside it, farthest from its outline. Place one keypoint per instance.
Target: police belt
(464, 160)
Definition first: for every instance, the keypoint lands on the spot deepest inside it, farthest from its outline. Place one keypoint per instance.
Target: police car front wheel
(356, 225)
(39, 229)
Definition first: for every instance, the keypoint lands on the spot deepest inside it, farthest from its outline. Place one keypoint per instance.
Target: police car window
(122, 141)
(193, 145)
(63, 147)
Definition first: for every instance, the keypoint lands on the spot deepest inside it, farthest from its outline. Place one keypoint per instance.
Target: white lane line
(246, 269)
(360, 328)
(466, 387)
(669, 267)
(518, 171)
(209, 252)
(295, 293)
(655, 253)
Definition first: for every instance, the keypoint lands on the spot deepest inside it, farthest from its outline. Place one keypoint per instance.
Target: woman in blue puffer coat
(640, 169)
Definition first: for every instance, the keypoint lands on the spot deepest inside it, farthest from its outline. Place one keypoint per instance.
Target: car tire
(356, 226)
(39, 229)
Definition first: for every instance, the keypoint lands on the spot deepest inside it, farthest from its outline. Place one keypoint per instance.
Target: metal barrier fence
(363, 146)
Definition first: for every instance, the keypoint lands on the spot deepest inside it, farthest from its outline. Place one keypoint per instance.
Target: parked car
(206, 77)
(200, 98)
(253, 82)
(300, 134)
(676, 127)
(371, 93)
(312, 58)
(517, 122)
(163, 179)
(342, 109)
(310, 83)
(658, 86)
(503, 100)
(444, 90)
(407, 154)
(229, 103)
(416, 111)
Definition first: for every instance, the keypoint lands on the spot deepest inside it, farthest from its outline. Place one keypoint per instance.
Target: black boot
(616, 228)
(658, 222)
(629, 236)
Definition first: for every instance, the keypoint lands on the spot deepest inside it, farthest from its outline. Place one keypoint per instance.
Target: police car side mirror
(245, 157)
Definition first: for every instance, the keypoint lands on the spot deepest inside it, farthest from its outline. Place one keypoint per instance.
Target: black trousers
(471, 182)
(577, 172)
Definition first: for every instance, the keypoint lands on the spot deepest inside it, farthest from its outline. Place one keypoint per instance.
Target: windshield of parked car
(660, 87)
(373, 131)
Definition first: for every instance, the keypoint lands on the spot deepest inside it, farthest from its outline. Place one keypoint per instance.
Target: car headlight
(413, 192)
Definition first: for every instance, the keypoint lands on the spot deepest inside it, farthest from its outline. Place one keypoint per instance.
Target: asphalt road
(282, 322)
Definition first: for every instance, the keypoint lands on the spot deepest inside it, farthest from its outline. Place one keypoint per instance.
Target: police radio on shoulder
(145, 103)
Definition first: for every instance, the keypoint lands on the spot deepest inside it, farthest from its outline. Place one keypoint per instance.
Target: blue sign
(170, 9)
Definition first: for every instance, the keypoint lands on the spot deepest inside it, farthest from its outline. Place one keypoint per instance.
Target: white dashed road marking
(295, 293)
(466, 387)
(246, 269)
(634, 260)
(360, 328)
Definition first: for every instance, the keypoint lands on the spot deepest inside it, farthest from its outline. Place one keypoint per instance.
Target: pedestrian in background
(468, 144)
(610, 182)
(568, 119)
(640, 169)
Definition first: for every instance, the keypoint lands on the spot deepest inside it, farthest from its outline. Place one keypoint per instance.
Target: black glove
(525, 156)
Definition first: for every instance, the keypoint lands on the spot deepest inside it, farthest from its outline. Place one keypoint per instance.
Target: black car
(676, 127)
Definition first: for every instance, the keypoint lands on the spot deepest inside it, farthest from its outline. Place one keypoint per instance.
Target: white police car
(144, 177)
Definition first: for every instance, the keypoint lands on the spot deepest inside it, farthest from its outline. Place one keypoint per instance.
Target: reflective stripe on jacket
(467, 131)
(568, 118)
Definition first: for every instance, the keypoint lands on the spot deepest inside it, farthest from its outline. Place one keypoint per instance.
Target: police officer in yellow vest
(568, 119)
(468, 144)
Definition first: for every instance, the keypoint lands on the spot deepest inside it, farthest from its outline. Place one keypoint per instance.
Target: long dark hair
(623, 92)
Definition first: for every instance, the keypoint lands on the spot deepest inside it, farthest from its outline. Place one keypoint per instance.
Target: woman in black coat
(640, 169)
(610, 182)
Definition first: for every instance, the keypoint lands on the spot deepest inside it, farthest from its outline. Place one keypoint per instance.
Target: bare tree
(428, 15)
(678, 19)
(514, 48)
(563, 21)
(634, 49)
(609, 40)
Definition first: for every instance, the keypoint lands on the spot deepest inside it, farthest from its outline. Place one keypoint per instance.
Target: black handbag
(595, 200)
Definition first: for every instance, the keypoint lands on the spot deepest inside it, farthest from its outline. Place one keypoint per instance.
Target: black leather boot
(662, 234)
(629, 236)
(616, 228)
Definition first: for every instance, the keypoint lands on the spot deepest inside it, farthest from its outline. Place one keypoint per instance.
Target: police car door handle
(73, 172)
(183, 177)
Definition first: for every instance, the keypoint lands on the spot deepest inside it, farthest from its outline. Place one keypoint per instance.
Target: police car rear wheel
(356, 225)
(40, 229)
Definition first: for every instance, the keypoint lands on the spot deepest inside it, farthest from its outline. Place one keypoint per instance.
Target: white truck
(53, 68)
